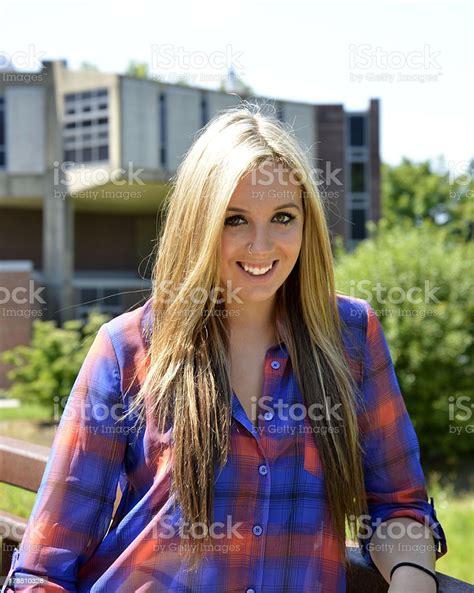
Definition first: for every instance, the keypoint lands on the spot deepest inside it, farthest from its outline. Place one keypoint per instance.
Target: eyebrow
(289, 205)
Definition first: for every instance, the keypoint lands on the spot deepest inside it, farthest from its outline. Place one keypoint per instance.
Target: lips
(257, 270)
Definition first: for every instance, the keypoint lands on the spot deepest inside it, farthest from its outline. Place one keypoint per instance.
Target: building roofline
(273, 99)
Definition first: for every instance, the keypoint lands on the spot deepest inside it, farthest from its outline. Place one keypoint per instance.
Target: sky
(415, 56)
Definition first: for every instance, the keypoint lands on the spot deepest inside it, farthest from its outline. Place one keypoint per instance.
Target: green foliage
(137, 69)
(414, 192)
(419, 281)
(44, 372)
(455, 512)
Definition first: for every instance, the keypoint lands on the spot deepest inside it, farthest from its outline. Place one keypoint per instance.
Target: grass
(26, 412)
(456, 515)
(457, 518)
(24, 423)
(16, 501)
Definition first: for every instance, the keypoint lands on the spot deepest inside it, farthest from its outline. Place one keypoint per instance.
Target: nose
(262, 242)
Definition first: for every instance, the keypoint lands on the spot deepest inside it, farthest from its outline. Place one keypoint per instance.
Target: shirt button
(275, 364)
(257, 530)
(250, 591)
(263, 470)
(268, 415)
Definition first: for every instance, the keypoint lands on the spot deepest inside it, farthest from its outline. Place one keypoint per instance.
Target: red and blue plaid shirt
(271, 493)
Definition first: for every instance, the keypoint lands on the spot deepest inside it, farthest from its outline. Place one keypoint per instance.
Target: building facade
(86, 160)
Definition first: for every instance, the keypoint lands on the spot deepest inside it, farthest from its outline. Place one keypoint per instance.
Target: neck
(253, 322)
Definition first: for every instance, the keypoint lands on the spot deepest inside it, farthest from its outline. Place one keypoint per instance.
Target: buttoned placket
(273, 372)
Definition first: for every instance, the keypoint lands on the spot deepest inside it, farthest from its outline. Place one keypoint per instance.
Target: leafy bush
(413, 192)
(431, 341)
(45, 371)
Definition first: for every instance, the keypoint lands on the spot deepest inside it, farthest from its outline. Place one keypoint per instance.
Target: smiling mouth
(255, 270)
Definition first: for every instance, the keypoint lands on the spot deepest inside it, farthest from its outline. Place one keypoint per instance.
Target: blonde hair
(187, 380)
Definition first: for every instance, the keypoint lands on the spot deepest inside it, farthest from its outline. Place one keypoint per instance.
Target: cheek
(227, 251)
(291, 243)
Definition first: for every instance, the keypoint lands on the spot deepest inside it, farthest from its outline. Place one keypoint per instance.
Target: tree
(414, 192)
(137, 69)
(419, 282)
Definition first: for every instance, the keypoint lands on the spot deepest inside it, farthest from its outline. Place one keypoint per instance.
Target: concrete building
(86, 160)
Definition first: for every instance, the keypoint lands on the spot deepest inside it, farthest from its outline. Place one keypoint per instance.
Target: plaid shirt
(274, 532)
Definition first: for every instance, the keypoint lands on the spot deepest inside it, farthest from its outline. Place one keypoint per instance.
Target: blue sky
(303, 50)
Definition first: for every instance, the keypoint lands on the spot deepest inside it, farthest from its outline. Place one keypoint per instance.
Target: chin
(256, 296)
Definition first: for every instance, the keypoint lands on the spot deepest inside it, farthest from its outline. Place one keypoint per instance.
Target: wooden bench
(22, 464)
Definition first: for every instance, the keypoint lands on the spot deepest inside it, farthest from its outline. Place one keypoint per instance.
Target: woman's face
(265, 210)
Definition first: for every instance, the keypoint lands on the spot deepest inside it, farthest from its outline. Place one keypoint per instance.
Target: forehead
(267, 187)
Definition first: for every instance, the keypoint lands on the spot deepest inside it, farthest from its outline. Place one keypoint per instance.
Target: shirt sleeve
(394, 479)
(74, 503)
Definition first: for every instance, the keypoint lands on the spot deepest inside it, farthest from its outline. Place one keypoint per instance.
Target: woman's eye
(233, 220)
(290, 217)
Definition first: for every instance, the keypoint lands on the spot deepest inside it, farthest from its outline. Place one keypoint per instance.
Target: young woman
(247, 410)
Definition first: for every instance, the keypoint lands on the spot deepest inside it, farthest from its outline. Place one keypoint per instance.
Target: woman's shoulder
(130, 333)
(354, 316)
(353, 311)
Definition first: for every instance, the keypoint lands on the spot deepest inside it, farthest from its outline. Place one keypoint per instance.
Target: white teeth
(256, 271)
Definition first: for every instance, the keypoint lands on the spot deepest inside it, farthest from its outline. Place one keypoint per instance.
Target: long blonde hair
(188, 375)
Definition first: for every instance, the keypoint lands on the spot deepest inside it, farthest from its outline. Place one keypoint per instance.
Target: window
(2, 134)
(87, 154)
(358, 177)
(87, 111)
(70, 156)
(106, 300)
(163, 131)
(103, 153)
(357, 130)
(358, 223)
